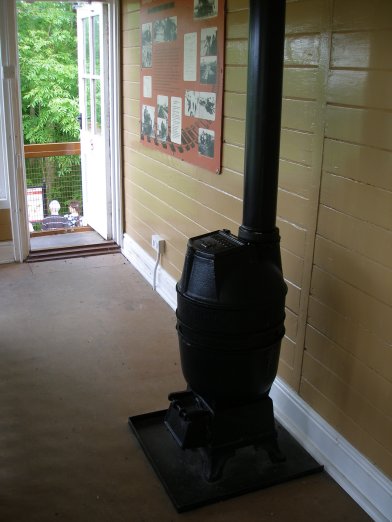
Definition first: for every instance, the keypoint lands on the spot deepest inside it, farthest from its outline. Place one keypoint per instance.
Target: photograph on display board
(200, 105)
(206, 142)
(147, 45)
(208, 42)
(208, 69)
(162, 129)
(165, 30)
(205, 8)
(206, 106)
(162, 116)
(191, 103)
(148, 118)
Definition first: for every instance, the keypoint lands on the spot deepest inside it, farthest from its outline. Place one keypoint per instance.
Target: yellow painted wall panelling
(299, 115)
(359, 271)
(359, 162)
(361, 88)
(234, 105)
(229, 182)
(307, 16)
(359, 236)
(361, 126)
(359, 200)
(296, 146)
(237, 24)
(300, 83)
(361, 411)
(364, 50)
(233, 157)
(287, 352)
(291, 325)
(236, 52)
(236, 5)
(183, 224)
(293, 208)
(5, 225)
(302, 50)
(234, 131)
(131, 89)
(376, 353)
(172, 257)
(353, 303)
(295, 178)
(362, 14)
(293, 297)
(130, 107)
(293, 236)
(131, 124)
(352, 371)
(183, 184)
(131, 15)
(131, 73)
(292, 267)
(154, 221)
(235, 79)
(349, 429)
(194, 209)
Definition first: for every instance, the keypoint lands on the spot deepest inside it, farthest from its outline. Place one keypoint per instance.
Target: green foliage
(49, 91)
(49, 72)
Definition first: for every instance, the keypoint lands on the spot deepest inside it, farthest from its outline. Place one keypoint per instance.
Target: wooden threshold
(52, 254)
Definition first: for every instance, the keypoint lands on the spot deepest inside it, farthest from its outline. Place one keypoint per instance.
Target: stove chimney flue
(219, 438)
(263, 118)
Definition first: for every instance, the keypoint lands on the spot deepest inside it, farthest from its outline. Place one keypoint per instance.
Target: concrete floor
(84, 344)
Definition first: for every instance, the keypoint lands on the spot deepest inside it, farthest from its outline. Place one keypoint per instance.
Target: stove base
(249, 470)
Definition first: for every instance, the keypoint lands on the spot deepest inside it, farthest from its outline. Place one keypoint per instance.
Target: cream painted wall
(334, 204)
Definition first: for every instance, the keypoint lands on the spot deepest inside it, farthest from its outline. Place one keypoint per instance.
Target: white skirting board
(7, 254)
(350, 469)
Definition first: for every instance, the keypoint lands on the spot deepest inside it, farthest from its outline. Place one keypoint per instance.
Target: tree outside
(49, 90)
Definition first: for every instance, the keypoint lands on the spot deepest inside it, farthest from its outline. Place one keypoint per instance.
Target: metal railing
(53, 172)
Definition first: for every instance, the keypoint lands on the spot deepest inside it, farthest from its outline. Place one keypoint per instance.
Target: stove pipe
(263, 116)
(231, 295)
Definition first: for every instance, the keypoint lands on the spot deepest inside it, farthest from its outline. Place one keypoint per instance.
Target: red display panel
(181, 82)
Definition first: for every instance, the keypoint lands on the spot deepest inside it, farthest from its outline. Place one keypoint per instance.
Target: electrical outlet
(158, 243)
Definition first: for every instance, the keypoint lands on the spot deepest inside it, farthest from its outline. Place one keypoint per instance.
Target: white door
(94, 116)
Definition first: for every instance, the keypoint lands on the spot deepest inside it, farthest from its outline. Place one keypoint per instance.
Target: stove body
(231, 296)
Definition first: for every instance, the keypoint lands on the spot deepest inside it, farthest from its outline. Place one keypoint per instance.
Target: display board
(181, 83)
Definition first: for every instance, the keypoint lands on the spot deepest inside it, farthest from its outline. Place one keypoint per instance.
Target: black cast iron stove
(219, 437)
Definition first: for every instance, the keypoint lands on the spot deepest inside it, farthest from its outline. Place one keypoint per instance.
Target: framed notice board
(181, 83)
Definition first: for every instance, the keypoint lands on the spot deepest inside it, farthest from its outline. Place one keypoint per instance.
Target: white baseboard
(165, 284)
(349, 468)
(7, 254)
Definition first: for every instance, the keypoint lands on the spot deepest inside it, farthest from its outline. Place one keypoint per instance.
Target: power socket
(158, 243)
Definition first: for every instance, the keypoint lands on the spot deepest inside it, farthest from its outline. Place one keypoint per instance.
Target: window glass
(86, 43)
(97, 88)
(96, 51)
(87, 98)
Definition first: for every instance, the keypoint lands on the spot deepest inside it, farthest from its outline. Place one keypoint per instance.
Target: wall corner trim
(347, 466)
(350, 469)
(165, 283)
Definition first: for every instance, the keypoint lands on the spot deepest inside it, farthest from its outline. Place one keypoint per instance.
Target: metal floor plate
(248, 471)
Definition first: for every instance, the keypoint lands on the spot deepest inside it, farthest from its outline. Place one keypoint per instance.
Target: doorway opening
(71, 171)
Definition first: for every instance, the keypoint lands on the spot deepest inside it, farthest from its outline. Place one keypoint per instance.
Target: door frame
(14, 129)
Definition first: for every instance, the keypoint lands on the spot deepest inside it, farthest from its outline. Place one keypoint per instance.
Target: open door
(94, 116)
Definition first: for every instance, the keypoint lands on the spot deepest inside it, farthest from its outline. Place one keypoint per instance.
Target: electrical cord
(155, 271)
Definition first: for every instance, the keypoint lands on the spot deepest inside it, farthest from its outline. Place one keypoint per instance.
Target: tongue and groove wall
(334, 203)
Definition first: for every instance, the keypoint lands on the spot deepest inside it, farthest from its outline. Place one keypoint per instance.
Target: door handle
(80, 119)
